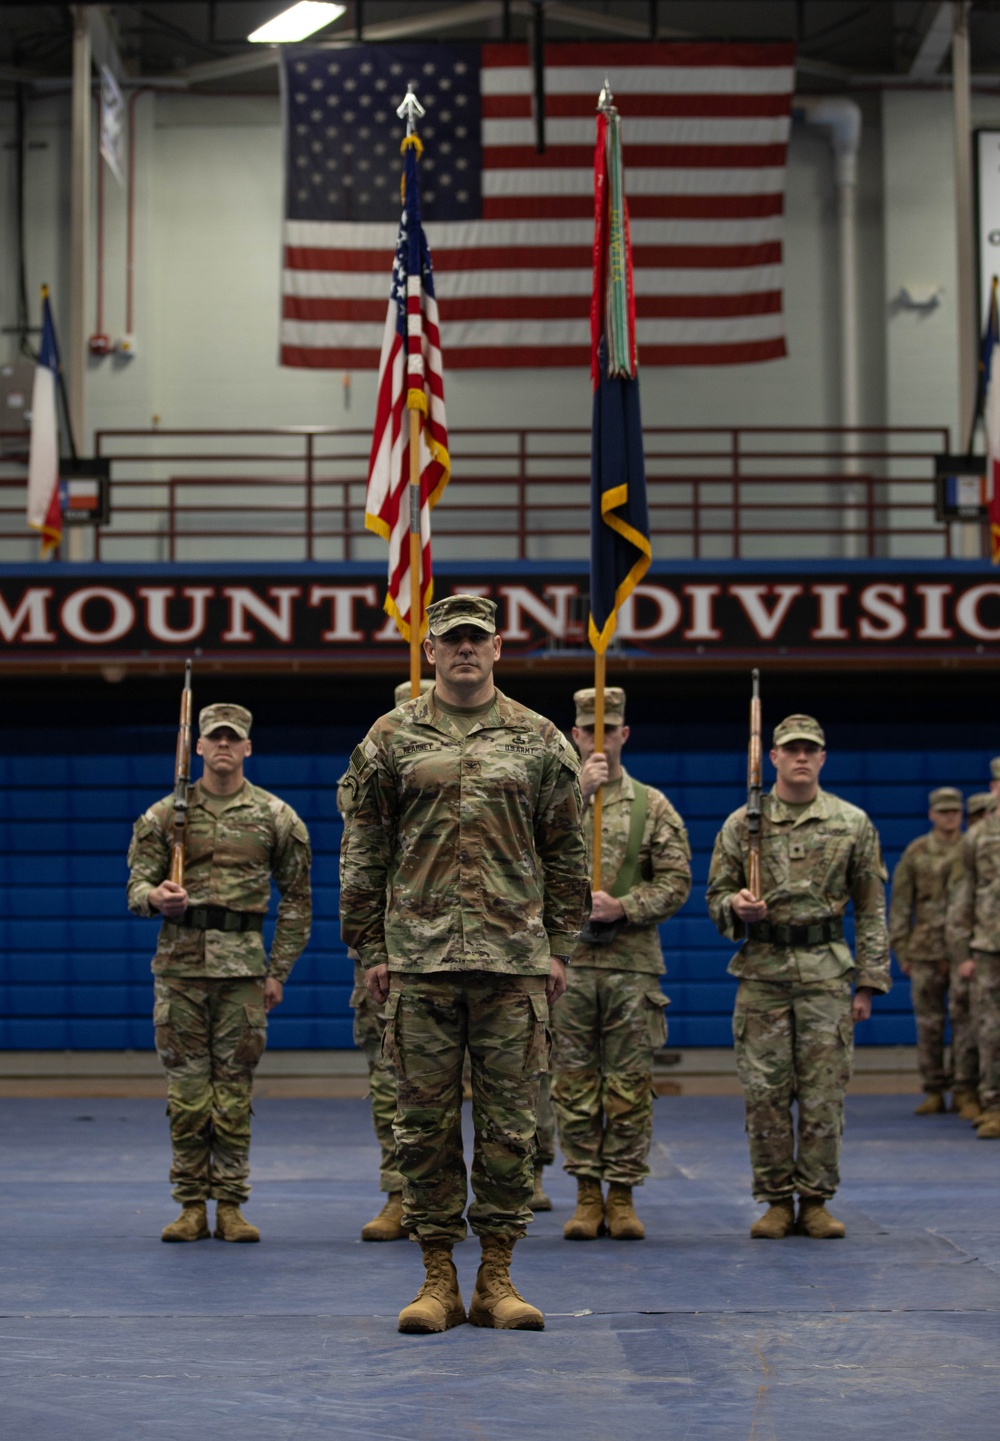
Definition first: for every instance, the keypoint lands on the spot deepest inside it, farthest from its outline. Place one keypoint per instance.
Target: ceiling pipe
(841, 119)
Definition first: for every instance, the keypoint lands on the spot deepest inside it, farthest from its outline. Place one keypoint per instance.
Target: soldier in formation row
(612, 1018)
(921, 883)
(961, 989)
(973, 937)
(369, 1028)
(793, 1025)
(214, 983)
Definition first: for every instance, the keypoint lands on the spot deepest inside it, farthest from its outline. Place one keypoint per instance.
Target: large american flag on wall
(705, 129)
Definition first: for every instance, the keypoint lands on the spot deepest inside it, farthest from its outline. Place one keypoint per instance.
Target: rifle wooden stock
(754, 767)
(182, 780)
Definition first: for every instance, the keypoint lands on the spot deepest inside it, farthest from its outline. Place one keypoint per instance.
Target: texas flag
(44, 513)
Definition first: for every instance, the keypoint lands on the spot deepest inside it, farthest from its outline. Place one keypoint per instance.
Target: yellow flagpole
(598, 746)
(416, 588)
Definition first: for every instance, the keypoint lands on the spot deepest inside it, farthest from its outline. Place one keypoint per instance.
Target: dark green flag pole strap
(629, 873)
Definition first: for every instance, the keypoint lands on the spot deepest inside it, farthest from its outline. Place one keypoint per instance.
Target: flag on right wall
(990, 392)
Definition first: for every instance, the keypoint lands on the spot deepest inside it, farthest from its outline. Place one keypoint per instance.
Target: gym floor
(697, 1333)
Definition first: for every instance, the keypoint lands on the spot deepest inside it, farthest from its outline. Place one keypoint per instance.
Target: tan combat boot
(815, 1220)
(388, 1224)
(988, 1128)
(619, 1214)
(777, 1222)
(230, 1225)
(932, 1105)
(587, 1221)
(966, 1105)
(495, 1302)
(539, 1201)
(437, 1306)
(191, 1224)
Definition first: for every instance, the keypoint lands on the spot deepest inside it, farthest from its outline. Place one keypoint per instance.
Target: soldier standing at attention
(917, 914)
(612, 1018)
(964, 1029)
(369, 1027)
(794, 1016)
(463, 885)
(995, 777)
(974, 944)
(214, 983)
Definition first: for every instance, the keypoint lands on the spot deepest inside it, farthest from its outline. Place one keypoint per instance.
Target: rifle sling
(628, 873)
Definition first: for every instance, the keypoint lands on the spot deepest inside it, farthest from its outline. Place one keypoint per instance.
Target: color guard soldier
(794, 1018)
(214, 983)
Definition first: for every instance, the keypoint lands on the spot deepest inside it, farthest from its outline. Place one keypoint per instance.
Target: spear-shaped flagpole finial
(606, 101)
(411, 109)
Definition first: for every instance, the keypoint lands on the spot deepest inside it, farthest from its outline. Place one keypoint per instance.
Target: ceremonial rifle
(182, 780)
(754, 764)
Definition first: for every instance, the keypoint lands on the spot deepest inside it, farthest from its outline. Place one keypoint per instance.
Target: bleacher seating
(74, 966)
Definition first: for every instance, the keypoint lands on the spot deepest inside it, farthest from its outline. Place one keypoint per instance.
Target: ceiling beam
(477, 12)
(258, 57)
(587, 20)
(935, 45)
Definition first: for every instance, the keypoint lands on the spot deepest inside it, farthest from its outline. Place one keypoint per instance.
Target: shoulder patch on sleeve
(568, 755)
(359, 773)
(673, 815)
(158, 817)
(362, 756)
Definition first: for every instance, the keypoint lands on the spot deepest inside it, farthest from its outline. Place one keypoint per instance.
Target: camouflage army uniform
(463, 868)
(369, 1028)
(612, 1017)
(209, 1015)
(974, 931)
(961, 989)
(917, 914)
(792, 1022)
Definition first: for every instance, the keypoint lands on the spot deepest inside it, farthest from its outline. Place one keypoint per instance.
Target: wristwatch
(565, 959)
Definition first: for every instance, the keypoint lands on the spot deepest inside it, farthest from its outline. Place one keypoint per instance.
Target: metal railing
(298, 493)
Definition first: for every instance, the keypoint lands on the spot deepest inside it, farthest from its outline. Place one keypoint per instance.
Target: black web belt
(817, 934)
(217, 918)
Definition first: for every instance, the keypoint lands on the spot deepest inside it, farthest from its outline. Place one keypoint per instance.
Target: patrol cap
(214, 717)
(614, 705)
(445, 615)
(995, 769)
(981, 801)
(799, 728)
(402, 691)
(946, 798)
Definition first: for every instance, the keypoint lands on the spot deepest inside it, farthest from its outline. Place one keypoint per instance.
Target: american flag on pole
(411, 377)
(43, 511)
(708, 127)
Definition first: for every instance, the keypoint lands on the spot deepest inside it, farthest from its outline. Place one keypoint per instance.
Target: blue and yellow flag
(620, 551)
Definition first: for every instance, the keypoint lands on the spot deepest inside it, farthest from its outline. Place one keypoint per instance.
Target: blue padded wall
(74, 966)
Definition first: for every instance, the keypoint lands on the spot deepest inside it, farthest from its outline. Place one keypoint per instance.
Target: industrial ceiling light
(295, 24)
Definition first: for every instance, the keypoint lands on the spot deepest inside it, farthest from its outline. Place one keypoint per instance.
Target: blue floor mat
(697, 1334)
